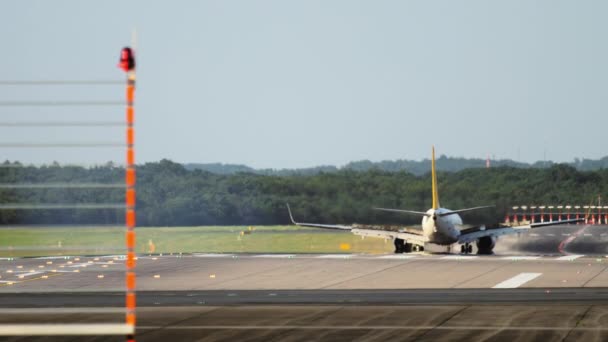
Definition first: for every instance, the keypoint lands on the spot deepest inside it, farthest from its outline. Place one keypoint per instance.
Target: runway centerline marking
(517, 281)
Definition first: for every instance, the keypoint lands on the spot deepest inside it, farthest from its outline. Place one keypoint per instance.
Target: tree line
(417, 167)
(169, 194)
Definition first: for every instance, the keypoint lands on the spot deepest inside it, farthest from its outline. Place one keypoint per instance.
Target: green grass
(25, 241)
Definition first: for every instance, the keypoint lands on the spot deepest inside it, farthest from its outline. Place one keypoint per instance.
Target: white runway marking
(569, 257)
(516, 281)
(459, 257)
(212, 255)
(117, 256)
(66, 329)
(275, 256)
(520, 257)
(335, 256)
(29, 274)
(398, 257)
(52, 257)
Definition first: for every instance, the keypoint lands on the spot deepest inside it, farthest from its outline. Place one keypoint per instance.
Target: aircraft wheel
(399, 246)
(408, 248)
(470, 248)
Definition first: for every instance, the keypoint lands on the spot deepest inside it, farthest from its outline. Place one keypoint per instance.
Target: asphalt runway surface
(534, 288)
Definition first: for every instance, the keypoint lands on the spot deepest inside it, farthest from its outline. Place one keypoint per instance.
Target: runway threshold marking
(569, 257)
(517, 281)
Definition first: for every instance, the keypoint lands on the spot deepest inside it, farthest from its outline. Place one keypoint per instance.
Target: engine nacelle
(485, 245)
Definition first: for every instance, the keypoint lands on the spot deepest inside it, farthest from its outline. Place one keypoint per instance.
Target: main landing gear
(402, 247)
(467, 248)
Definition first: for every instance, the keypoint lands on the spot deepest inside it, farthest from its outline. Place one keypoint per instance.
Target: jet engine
(486, 244)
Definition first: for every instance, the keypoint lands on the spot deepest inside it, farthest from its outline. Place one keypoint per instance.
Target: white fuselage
(441, 230)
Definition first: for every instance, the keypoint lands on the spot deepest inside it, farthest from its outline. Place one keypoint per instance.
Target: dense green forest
(168, 194)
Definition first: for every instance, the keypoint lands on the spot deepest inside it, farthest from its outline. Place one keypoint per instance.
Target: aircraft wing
(471, 234)
(317, 225)
(550, 223)
(377, 232)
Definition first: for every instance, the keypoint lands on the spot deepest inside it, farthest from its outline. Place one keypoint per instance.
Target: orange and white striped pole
(127, 63)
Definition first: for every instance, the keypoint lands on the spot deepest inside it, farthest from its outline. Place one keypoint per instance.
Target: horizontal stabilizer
(465, 210)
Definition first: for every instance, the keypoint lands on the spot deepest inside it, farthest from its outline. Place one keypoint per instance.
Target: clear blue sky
(287, 84)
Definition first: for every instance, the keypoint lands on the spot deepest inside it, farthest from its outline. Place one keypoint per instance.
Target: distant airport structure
(593, 214)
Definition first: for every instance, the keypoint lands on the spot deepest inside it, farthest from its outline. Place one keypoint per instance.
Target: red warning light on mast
(127, 59)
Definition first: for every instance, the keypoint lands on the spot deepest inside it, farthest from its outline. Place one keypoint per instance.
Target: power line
(29, 206)
(60, 82)
(85, 166)
(62, 186)
(61, 145)
(63, 124)
(60, 103)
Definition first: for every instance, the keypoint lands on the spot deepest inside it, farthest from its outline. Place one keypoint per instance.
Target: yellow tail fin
(434, 176)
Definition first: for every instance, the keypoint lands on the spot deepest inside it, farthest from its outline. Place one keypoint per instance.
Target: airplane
(440, 226)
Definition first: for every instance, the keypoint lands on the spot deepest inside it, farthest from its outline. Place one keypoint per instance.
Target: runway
(287, 272)
(515, 294)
